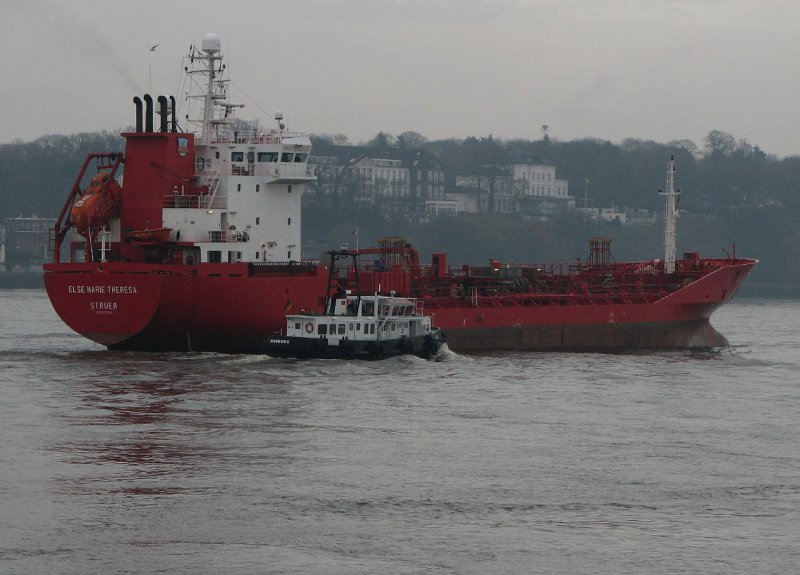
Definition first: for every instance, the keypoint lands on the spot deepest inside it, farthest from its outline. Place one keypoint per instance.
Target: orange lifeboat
(99, 201)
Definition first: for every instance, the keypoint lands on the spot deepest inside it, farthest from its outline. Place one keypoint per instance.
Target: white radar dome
(211, 43)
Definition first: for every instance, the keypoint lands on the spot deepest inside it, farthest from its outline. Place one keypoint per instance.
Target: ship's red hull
(223, 308)
(167, 307)
(677, 320)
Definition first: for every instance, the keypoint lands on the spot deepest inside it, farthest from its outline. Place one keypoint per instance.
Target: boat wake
(446, 354)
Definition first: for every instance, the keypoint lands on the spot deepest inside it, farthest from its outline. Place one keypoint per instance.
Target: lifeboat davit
(99, 201)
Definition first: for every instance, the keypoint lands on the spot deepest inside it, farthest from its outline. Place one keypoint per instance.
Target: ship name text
(101, 289)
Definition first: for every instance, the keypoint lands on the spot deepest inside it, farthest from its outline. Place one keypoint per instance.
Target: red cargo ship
(196, 246)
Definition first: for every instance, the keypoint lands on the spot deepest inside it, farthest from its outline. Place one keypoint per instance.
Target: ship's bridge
(275, 157)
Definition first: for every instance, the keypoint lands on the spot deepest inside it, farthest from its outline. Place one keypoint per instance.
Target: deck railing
(197, 201)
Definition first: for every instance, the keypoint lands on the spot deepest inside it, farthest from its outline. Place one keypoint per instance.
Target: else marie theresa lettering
(101, 289)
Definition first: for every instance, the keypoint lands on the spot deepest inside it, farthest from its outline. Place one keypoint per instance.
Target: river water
(673, 462)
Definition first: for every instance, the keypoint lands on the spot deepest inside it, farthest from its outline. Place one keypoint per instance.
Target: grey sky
(612, 69)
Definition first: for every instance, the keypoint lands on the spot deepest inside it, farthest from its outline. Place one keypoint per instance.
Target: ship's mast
(670, 217)
(208, 104)
(213, 91)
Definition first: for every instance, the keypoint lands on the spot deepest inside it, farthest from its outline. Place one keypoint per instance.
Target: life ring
(309, 327)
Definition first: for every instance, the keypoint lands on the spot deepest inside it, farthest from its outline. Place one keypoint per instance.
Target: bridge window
(341, 329)
(268, 156)
(237, 156)
(298, 158)
(287, 157)
(214, 256)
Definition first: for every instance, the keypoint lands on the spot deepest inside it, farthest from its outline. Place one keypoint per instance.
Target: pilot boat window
(286, 157)
(298, 158)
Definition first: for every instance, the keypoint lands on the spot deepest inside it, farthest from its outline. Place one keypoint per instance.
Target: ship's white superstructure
(245, 204)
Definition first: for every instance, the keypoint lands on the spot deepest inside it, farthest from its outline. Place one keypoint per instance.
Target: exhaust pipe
(138, 102)
(148, 120)
(174, 119)
(162, 103)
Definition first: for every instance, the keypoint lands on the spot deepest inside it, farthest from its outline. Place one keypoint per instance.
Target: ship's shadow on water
(152, 425)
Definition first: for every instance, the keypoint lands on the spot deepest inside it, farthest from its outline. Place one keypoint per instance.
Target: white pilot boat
(369, 327)
(357, 326)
